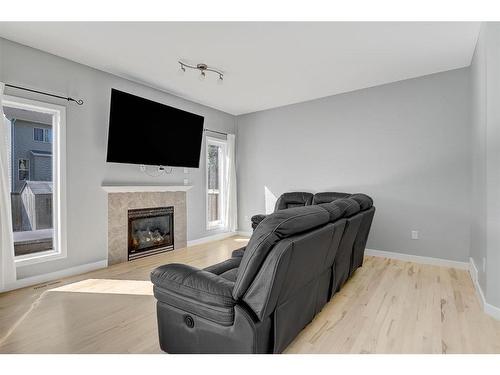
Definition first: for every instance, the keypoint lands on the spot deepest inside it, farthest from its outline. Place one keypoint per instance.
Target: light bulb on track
(202, 69)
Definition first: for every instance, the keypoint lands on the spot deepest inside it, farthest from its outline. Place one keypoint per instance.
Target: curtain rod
(214, 131)
(69, 99)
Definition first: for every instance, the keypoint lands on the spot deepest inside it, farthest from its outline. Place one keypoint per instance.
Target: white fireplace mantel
(144, 188)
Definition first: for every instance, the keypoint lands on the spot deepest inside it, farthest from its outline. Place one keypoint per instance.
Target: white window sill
(41, 257)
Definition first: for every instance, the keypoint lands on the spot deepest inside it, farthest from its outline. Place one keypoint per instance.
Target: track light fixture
(203, 69)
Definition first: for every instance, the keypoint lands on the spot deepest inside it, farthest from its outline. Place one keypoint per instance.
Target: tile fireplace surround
(120, 202)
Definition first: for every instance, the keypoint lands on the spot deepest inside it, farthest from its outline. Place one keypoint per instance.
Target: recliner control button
(189, 321)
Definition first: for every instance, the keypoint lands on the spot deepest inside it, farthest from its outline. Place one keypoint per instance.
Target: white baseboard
(474, 275)
(215, 237)
(418, 259)
(34, 280)
(492, 311)
(488, 308)
(245, 234)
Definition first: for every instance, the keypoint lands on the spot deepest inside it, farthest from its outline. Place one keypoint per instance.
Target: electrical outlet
(186, 181)
(414, 234)
(484, 264)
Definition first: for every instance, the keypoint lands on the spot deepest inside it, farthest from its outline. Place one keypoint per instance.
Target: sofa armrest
(195, 284)
(256, 219)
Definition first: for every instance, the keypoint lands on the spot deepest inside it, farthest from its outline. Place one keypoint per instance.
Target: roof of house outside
(38, 187)
(40, 153)
(27, 115)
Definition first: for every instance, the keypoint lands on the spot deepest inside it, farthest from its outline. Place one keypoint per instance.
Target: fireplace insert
(150, 231)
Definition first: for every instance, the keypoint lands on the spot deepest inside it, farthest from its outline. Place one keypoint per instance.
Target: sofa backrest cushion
(327, 197)
(365, 202)
(336, 211)
(292, 264)
(293, 199)
(273, 228)
(348, 206)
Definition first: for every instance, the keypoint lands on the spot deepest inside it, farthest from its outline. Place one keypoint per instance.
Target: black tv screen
(142, 131)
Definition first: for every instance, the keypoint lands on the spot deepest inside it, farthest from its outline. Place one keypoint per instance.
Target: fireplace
(150, 231)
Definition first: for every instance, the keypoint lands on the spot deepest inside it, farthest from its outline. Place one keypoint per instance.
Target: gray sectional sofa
(259, 300)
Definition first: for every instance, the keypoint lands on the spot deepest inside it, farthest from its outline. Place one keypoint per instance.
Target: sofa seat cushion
(230, 274)
(228, 264)
(238, 252)
(228, 269)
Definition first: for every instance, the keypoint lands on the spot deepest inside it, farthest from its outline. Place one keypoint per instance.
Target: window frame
(222, 143)
(59, 204)
(19, 169)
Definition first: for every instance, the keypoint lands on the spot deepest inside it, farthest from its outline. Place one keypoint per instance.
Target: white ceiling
(266, 65)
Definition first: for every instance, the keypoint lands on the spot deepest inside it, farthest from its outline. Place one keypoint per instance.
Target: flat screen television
(142, 131)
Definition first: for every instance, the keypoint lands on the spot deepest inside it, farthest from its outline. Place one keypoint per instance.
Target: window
(38, 134)
(216, 150)
(23, 169)
(38, 194)
(47, 136)
(42, 135)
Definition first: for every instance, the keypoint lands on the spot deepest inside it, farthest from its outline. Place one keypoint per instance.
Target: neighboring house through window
(215, 152)
(24, 169)
(31, 151)
(37, 144)
(42, 135)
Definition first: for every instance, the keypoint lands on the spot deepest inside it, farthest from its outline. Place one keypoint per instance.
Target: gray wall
(87, 128)
(485, 77)
(406, 144)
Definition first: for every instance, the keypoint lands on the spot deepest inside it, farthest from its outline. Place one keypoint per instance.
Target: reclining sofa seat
(359, 215)
(359, 212)
(257, 302)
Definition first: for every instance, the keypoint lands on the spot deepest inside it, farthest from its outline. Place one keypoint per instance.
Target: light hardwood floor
(388, 306)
